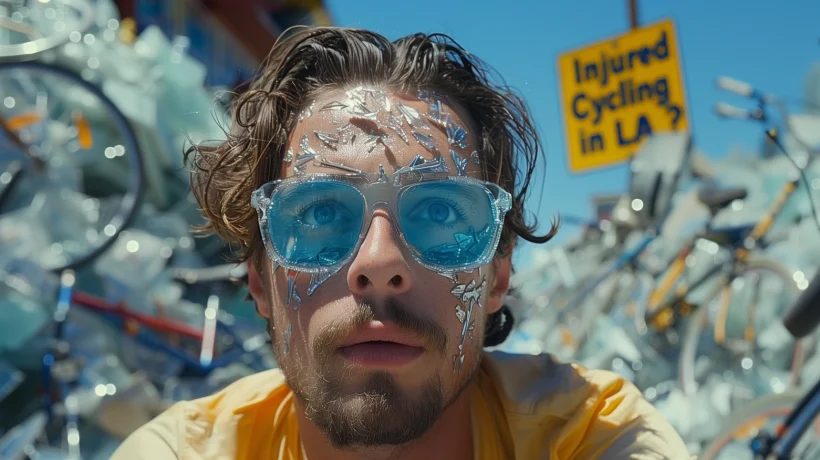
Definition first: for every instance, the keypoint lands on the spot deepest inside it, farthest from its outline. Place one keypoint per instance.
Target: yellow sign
(616, 92)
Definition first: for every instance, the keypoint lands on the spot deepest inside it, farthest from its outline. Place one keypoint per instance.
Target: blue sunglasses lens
(315, 224)
(450, 224)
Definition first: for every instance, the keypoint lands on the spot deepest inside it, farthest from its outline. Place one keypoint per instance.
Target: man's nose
(380, 268)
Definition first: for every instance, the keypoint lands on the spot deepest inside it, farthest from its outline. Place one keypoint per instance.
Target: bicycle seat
(728, 236)
(717, 199)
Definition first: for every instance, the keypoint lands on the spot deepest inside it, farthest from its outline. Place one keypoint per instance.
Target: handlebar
(741, 88)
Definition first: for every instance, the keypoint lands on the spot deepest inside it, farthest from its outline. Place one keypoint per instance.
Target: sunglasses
(316, 223)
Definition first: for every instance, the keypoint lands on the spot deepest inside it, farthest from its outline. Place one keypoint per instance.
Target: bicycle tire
(764, 406)
(692, 330)
(132, 199)
(34, 48)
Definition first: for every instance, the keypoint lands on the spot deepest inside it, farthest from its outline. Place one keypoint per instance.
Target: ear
(257, 291)
(501, 283)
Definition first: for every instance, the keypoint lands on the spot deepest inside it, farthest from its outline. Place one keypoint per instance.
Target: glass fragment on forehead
(437, 114)
(362, 111)
(428, 96)
(306, 156)
(426, 141)
(419, 166)
(307, 112)
(319, 161)
(456, 135)
(331, 140)
(461, 163)
(335, 105)
(381, 99)
(413, 117)
(286, 337)
(371, 140)
(289, 156)
(357, 95)
(346, 134)
(382, 175)
(394, 124)
(474, 158)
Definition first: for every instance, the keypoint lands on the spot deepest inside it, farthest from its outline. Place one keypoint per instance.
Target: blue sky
(770, 46)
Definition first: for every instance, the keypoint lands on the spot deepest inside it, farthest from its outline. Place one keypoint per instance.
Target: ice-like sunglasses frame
(377, 192)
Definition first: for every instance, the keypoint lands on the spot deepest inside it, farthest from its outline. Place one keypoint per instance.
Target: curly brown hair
(311, 60)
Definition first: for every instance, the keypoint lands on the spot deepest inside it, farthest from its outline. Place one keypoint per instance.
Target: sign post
(616, 92)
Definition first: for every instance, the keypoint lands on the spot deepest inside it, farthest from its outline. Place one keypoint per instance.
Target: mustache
(433, 335)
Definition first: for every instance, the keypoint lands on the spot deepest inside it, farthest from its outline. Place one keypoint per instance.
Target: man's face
(380, 349)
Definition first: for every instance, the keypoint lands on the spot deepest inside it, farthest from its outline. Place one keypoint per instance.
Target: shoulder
(187, 425)
(579, 412)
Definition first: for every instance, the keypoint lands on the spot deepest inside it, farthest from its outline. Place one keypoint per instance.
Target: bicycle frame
(677, 267)
(787, 435)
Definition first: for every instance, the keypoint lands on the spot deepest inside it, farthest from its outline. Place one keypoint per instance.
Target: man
(377, 189)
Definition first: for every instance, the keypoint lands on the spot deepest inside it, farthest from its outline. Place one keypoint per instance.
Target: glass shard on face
(331, 140)
(335, 105)
(306, 156)
(381, 98)
(426, 141)
(362, 111)
(456, 135)
(371, 140)
(319, 161)
(293, 296)
(394, 124)
(419, 166)
(318, 278)
(286, 337)
(437, 114)
(470, 293)
(413, 117)
(305, 114)
(474, 158)
(289, 156)
(461, 163)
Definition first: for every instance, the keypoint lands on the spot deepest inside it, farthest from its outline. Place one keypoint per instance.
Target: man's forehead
(363, 127)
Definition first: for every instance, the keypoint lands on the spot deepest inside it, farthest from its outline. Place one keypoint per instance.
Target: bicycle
(797, 411)
(741, 244)
(182, 350)
(41, 99)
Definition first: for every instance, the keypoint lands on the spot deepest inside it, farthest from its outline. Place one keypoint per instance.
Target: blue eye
(439, 212)
(436, 211)
(323, 213)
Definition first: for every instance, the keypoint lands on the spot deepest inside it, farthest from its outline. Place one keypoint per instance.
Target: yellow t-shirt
(523, 407)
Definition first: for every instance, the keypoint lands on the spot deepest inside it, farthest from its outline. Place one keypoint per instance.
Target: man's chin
(377, 411)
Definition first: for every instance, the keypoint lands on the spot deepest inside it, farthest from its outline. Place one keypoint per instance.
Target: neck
(450, 437)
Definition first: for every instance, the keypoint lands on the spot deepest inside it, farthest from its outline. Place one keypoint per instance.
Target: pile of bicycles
(111, 310)
(691, 318)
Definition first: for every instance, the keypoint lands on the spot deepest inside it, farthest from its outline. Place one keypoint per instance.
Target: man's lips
(381, 345)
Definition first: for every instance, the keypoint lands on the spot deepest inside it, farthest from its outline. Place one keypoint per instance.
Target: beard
(380, 412)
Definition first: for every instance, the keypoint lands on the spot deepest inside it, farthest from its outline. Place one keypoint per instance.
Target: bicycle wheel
(27, 29)
(734, 440)
(65, 121)
(695, 326)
